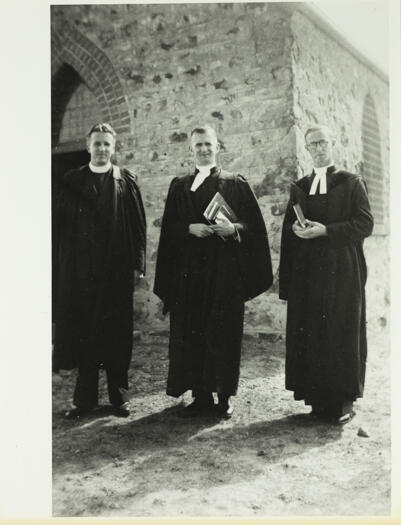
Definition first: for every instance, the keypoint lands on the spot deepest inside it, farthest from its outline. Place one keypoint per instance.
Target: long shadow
(164, 450)
(208, 443)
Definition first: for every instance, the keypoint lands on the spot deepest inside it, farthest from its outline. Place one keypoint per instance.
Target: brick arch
(76, 59)
(372, 159)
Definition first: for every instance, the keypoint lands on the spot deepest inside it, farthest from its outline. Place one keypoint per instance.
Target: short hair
(103, 127)
(205, 129)
(318, 127)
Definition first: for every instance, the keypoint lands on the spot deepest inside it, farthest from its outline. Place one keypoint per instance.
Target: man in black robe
(322, 276)
(204, 274)
(100, 236)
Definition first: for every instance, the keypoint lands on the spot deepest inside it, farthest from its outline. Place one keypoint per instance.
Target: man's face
(205, 148)
(101, 147)
(320, 146)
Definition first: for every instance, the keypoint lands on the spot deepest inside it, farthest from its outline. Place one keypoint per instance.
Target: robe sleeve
(138, 222)
(57, 224)
(59, 197)
(289, 241)
(250, 223)
(254, 248)
(360, 224)
(287, 248)
(174, 231)
(62, 217)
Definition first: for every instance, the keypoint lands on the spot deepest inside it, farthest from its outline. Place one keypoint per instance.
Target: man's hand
(137, 277)
(223, 227)
(200, 230)
(313, 229)
(296, 227)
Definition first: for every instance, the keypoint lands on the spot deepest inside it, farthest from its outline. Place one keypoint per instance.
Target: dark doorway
(62, 162)
(64, 83)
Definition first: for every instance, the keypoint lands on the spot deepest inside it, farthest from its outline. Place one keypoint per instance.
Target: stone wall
(331, 86)
(180, 65)
(252, 71)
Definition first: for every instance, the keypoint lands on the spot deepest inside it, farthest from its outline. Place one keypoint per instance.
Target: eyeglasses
(314, 145)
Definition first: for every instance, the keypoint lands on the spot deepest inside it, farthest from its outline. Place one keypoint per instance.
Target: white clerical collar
(100, 169)
(320, 180)
(203, 173)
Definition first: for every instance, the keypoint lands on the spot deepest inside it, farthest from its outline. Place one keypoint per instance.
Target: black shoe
(318, 414)
(76, 413)
(123, 410)
(198, 407)
(225, 408)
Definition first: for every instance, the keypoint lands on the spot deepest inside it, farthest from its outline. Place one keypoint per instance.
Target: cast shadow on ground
(213, 448)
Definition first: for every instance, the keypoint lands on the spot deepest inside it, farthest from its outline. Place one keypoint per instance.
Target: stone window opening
(371, 167)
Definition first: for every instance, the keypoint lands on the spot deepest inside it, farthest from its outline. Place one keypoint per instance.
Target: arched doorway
(74, 110)
(85, 89)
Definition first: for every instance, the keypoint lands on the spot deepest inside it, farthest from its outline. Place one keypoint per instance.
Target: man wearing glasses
(322, 277)
(101, 237)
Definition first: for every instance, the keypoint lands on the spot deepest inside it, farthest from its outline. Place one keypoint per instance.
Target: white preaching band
(319, 180)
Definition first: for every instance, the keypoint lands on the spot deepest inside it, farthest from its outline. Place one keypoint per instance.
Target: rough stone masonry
(259, 73)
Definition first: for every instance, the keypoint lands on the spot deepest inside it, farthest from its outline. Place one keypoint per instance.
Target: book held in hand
(300, 215)
(217, 208)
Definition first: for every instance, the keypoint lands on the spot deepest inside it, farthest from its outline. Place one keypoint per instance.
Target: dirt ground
(270, 459)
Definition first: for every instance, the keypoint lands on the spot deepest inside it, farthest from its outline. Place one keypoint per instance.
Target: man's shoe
(346, 418)
(318, 413)
(225, 408)
(123, 410)
(76, 413)
(198, 408)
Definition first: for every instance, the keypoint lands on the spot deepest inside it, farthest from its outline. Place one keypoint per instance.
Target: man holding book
(213, 256)
(322, 276)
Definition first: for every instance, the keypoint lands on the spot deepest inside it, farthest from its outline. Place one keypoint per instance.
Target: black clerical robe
(100, 236)
(323, 280)
(204, 282)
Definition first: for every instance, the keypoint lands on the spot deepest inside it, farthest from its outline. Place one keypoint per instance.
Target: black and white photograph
(214, 322)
